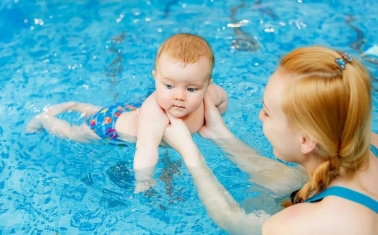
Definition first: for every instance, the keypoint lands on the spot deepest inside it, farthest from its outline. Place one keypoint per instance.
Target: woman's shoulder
(352, 217)
(293, 220)
(305, 218)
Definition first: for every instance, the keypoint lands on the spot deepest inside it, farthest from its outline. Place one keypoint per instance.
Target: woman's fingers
(178, 136)
(212, 115)
(214, 125)
(176, 132)
(209, 105)
(170, 117)
(175, 123)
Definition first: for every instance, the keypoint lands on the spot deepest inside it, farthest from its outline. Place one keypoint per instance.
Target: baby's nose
(179, 96)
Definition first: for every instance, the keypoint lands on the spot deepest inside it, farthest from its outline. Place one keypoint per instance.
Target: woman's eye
(169, 86)
(191, 89)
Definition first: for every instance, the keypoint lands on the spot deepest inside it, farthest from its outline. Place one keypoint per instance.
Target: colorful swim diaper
(104, 121)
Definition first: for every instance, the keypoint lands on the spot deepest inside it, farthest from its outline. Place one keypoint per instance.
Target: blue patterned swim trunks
(103, 122)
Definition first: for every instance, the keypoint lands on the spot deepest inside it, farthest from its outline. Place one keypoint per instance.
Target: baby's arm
(219, 97)
(152, 122)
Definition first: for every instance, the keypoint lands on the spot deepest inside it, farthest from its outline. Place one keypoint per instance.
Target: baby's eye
(169, 86)
(191, 89)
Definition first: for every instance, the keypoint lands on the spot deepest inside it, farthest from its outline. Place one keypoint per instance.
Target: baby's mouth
(178, 106)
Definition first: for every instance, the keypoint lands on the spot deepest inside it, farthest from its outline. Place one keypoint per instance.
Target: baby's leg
(62, 128)
(47, 120)
(35, 124)
(60, 108)
(85, 108)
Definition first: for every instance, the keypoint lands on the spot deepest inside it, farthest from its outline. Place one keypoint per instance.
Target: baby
(183, 69)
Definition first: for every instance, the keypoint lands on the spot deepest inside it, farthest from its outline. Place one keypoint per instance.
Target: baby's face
(181, 88)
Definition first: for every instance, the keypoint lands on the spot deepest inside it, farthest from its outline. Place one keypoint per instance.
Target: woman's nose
(261, 115)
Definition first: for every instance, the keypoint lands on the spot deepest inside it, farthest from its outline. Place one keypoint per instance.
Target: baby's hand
(144, 179)
(141, 186)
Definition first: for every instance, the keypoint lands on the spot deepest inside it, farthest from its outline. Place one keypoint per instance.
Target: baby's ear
(154, 74)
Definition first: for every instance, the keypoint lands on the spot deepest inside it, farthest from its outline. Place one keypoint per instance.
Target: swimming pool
(103, 52)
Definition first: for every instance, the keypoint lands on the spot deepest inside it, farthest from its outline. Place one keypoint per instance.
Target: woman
(316, 112)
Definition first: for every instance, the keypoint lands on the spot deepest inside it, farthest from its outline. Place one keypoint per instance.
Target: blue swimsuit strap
(374, 150)
(347, 194)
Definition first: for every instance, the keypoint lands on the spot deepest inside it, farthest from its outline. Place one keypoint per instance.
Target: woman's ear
(307, 144)
(154, 74)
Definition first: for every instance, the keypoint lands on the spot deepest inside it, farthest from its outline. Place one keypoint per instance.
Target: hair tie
(345, 58)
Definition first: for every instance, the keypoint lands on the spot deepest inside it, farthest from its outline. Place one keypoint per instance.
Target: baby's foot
(34, 125)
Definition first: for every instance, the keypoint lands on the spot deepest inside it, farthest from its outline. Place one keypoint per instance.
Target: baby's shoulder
(214, 87)
(216, 92)
(150, 102)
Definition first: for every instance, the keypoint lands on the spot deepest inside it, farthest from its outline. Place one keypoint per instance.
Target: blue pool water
(101, 52)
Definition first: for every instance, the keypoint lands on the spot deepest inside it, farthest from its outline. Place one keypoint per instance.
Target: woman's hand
(178, 137)
(214, 126)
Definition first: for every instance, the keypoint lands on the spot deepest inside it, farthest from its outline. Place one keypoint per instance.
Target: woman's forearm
(263, 171)
(221, 206)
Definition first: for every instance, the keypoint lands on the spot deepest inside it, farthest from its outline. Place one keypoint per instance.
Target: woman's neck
(311, 162)
(364, 178)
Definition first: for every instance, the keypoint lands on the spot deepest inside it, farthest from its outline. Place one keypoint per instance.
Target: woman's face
(285, 140)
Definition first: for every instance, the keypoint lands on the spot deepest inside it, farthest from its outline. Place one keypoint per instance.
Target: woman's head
(330, 105)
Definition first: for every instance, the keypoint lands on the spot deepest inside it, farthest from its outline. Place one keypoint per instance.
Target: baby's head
(328, 97)
(187, 49)
(183, 69)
